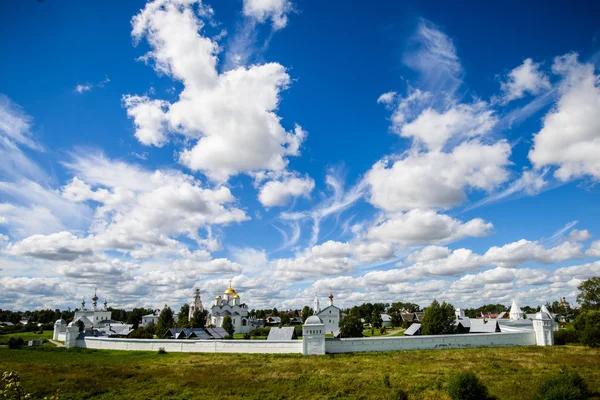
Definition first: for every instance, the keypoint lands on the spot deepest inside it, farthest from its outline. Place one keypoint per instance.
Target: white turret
(316, 308)
(515, 312)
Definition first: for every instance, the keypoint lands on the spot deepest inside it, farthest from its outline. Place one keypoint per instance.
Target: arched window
(244, 322)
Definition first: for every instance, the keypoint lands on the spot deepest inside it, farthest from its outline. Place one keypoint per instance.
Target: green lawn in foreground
(509, 373)
(26, 336)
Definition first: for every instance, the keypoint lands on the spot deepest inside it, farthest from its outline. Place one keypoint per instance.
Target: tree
(438, 319)
(150, 328)
(587, 325)
(306, 312)
(183, 314)
(80, 325)
(285, 320)
(199, 318)
(275, 312)
(228, 325)
(351, 325)
(376, 320)
(165, 321)
(589, 294)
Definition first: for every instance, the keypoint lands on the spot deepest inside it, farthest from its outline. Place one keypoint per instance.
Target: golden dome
(229, 291)
(218, 296)
(237, 296)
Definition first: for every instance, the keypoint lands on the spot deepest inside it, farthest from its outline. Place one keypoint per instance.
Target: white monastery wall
(430, 342)
(194, 346)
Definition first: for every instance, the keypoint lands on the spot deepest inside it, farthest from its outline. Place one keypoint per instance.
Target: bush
(401, 395)
(382, 330)
(15, 342)
(246, 336)
(466, 386)
(565, 336)
(298, 330)
(161, 350)
(564, 386)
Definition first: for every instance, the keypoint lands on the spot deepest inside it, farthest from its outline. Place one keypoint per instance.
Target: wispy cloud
(81, 88)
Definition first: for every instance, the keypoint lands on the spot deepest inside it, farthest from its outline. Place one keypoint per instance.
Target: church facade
(330, 315)
(230, 304)
(92, 317)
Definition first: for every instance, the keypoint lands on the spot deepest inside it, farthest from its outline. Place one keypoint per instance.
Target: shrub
(564, 386)
(565, 336)
(386, 381)
(161, 350)
(246, 336)
(382, 330)
(298, 330)
(466, 386)
(401, 395)
(15, 342)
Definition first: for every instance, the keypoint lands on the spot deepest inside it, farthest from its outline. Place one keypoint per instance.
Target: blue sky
(389, 152)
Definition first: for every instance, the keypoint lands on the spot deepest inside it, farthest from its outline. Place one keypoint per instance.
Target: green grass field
(27, 336)
(509, 373)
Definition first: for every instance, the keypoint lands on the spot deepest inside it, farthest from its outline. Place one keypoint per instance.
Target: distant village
(227, 317)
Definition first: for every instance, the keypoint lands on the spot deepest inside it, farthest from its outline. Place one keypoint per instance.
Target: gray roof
(414, 329)
(484, 326)
(313, 320)
(217, 333)
(285, 333)
(465, 322)
(201, 334)
(386, 317)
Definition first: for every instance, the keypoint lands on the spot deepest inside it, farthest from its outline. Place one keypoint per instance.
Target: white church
(229, 304)
(92, 317)
(330, 315)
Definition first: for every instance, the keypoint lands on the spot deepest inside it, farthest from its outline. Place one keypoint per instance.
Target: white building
(230, 304)
(146, 319)
(195, 304)
(515, 312)
(94, 316)
(330, 315)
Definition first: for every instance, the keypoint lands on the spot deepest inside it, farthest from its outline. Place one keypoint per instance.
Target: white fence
(430, 342)
(194, 346)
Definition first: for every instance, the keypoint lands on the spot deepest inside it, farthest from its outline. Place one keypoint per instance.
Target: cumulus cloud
(275, 10)
(418, 227)
(279, 192)
(570, 135)
(237, 128)
(594, 250)
(524, 79)
(137, 206)
(437, 179)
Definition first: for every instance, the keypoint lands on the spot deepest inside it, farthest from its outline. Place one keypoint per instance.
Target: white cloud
(146, 207)
(570, 136)
(279, 192)
(428, 253)
(437, 179)
(516, 253)
(275, 10)
(432, 53)
(417, 227)
(434, 129)
(237, 129)
(82, 88)
(594, 250)
(56, 246)
(524, 79)
(577, 235)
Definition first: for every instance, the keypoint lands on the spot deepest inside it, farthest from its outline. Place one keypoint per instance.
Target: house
(285, 333)
(419, 316)
(463, 325)
(272, 321)
(387, 320)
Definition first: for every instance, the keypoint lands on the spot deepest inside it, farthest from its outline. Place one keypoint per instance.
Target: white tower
(543, 327)
(196, 304)
(313, 336)
(316, 308)
(515, 312)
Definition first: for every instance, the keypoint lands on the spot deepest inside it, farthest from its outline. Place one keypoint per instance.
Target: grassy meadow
(509, 373)
(27, 336)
